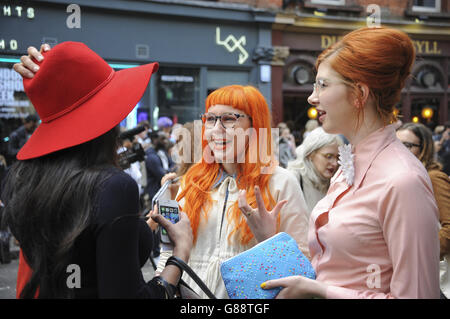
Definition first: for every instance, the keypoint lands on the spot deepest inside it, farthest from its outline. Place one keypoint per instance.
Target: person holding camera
(74, 212)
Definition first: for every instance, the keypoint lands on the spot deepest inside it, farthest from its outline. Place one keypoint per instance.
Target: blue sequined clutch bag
(276, 257)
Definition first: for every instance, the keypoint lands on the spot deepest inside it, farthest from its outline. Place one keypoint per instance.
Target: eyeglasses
(228, 120)
(322, 84)
(330, 157)
(411, 145)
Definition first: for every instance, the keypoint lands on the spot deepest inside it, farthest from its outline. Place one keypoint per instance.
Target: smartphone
(169, 210)
(163, 192)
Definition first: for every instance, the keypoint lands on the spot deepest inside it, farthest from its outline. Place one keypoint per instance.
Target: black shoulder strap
(182, 265)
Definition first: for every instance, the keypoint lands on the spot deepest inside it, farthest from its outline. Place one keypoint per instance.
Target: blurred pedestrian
(183, 154)
(143, 138)
(67, 202)
(374, 234)
(419, 140)
(310, 126)
(236, 123)
(165, 125)
(157, 162)
(286, 147)
(20, 136)
(5, 235)
(437, 134)
(134, 168)
(316, 163)
(443, 149)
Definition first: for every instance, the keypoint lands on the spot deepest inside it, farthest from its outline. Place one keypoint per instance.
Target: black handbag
(184, 291)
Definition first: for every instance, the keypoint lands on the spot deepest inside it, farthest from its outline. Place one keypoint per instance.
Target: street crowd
(356, 188)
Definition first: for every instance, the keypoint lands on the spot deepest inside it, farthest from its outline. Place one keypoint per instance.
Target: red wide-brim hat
(79, 97)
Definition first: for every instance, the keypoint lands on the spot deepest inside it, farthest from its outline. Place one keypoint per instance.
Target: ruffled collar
(346, 162)
(355, 160)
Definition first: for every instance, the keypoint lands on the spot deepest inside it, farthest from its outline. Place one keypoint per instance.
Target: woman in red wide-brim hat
(74, 212)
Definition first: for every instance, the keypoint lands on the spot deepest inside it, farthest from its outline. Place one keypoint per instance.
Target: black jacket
(17, 139)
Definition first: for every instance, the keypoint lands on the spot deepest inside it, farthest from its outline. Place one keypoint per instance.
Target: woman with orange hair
(375, 233)
(237, 155)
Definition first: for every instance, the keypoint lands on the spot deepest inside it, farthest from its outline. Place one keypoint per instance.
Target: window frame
(329, 2)
(437, 7)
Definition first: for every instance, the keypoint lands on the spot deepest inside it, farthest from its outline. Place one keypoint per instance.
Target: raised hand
(27, 68)
(262, 223)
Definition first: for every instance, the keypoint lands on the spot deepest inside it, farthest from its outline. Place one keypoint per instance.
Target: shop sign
(10, 83)
(14, 12)
(231, 44)
(427, 47)
(422, 47)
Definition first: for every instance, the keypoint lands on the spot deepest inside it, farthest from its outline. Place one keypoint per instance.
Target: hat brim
(102, 112)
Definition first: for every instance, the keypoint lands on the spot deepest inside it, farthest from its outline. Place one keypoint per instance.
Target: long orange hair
(198, 181)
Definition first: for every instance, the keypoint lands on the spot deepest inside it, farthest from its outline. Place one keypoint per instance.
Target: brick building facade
(303, 28)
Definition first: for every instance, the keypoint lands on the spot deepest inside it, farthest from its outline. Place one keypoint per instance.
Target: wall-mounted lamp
(312, 113)
(427, 113)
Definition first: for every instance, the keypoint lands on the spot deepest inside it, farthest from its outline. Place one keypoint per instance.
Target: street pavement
(8, 275)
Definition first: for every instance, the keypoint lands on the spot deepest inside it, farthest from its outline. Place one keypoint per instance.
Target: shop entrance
(295, 114)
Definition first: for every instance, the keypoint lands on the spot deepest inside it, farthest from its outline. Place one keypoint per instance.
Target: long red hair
(198, 181)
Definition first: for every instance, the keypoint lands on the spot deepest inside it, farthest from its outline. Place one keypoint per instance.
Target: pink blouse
(379, 237)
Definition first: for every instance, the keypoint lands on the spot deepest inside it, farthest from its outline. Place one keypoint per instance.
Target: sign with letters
(421, 46)
(14, 12)
(231, 44)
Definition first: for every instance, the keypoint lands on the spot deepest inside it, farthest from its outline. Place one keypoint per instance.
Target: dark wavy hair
(48, 203)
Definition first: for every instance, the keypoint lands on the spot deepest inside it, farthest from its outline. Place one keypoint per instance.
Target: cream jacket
(213, 247)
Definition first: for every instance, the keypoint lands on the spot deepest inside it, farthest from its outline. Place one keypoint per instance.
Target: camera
(135, 153)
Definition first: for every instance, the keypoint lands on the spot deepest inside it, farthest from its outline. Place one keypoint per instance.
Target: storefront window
(14, 104)
(141, 111)
(178, 94)
(427, 5)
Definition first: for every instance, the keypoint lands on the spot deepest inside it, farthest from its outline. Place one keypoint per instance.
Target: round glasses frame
(228, 123)
(411, 145)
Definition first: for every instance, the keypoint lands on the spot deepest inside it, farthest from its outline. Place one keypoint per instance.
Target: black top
(115, 246)
(17, 139)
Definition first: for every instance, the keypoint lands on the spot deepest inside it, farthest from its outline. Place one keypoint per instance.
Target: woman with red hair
(237, 158)
(375, 233)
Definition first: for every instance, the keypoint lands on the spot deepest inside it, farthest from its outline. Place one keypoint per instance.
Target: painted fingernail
(36, 68)
(46, 48)
(40, 58)
(263, 285)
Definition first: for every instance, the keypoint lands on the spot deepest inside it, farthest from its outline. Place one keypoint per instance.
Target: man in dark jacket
(21, 135)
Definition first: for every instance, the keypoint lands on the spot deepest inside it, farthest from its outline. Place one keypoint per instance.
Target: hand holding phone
(181, 232)
(169, 210)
